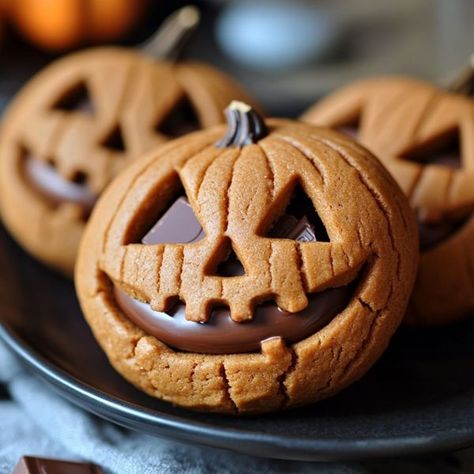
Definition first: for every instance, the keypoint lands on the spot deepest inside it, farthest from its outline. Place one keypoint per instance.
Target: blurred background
(286, 53)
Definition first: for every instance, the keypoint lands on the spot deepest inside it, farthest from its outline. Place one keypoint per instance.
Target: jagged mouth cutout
(220, 334)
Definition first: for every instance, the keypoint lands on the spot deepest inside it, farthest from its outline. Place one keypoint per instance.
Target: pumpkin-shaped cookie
(250, 270)
(80, 121)
(425, 137)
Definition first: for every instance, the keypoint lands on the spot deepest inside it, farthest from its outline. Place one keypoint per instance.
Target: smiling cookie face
(425, 137)
(81, 121)
(278, 261)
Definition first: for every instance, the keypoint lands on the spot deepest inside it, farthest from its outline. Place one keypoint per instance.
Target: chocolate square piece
(178, 225)
(32, 465)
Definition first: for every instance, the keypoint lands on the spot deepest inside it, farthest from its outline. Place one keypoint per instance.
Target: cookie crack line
(271, 172)
(365, 304)
(226, 195)
(363, 345)
(302, 271)
(179, 274)
(205, 171)
(281, 380)
(375, 196)
(336, 356)
(378, 314)
(227, 388)
(304, 153)
(192, 375)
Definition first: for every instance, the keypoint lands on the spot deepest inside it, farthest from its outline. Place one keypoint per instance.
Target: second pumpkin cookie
(79, 122)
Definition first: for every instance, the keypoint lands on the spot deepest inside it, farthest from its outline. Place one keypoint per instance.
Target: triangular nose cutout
(115, 141)
(300, 221)
(181, 120)
(227, 263)
(444, 151)
(77, 99)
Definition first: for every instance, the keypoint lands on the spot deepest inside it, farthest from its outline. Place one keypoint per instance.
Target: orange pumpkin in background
(57, 25)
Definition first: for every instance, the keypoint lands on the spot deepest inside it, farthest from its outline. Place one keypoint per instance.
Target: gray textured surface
(35, 421)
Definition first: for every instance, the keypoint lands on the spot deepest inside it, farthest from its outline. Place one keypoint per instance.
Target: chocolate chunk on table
(33, 465)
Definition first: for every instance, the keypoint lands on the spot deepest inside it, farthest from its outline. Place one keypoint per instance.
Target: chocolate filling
(54, 188)
(220, 334)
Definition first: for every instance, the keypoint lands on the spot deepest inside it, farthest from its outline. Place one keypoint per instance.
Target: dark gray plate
(418, 398)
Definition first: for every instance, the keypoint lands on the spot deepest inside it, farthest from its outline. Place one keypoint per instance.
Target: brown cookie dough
(79, 122)
(425, 137)
(239, 190)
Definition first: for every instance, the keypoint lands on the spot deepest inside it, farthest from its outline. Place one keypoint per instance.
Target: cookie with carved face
(80, 121)
(425, 137)
(248, 270)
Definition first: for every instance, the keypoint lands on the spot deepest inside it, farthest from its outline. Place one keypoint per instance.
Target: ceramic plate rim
(182, 429)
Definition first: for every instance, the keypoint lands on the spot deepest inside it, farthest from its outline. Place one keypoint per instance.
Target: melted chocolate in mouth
(54, 188)
(220, 334)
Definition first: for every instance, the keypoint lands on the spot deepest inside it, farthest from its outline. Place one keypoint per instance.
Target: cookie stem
(464, 83)
(244, 126)
(170, 38)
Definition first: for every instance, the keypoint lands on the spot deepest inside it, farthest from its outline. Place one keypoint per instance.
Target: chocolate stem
(245, 126)
(464, 83)
(173, 33)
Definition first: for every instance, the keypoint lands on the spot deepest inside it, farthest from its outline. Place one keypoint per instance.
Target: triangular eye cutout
(225, 263)
(178, 225)
(351, 128)
(115, 141)
(444, 151)
(75, 99)
(300, 221)
(181, 120)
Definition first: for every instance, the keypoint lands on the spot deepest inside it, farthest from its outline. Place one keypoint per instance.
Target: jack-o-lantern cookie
(425, 137)
(248, 271)
(80, 121)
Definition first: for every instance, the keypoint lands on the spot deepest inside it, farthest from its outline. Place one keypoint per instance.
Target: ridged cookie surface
(236, 193)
